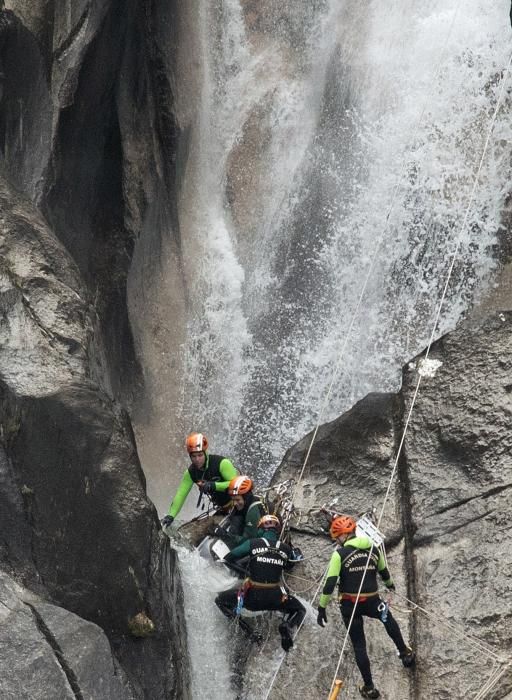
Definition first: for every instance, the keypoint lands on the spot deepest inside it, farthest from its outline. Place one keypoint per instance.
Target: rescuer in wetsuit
(263, 589)
(348, 565)
(248, 509)
(212, 474)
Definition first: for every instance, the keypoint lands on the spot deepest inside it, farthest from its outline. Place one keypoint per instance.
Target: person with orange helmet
(212, 473)
(263, 588)
(247, 511)
(354, 565)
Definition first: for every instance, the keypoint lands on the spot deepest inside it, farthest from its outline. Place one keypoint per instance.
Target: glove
(220, 532)
(322, 617)
(167, 520)
(391, 587)
(207, 487)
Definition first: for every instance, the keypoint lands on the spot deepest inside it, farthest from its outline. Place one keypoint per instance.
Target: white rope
(431, 340)
(480, 646)
(283, 655)
(493, 681)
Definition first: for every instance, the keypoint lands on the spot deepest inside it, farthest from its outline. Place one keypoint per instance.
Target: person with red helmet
(263, 588)
(247, 511)
(354, 565)
(212, 473)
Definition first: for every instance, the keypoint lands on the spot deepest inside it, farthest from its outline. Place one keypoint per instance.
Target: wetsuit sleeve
(252, 519)
(181, 494)
(384, 571)
(240, 551)
(227, 472)
(333, 573)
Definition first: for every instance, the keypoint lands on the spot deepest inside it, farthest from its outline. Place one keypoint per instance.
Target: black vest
(267, 560)
(211, 472)
(353, 565)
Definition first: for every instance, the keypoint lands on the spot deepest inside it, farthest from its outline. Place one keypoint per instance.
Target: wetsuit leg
(370, 609)
(226, 602)
(294, 611)
(358, 639)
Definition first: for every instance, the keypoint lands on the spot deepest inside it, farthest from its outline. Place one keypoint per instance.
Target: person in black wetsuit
(354, 559)
(263, 588)
(211, 473)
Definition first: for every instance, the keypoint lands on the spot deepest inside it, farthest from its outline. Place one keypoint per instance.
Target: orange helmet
(239, 486)
(269, 522)
(196, 442)
(342, 525)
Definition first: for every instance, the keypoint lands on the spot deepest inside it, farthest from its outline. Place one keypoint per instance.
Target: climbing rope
(456, 630)
(431, 340)
(493, 681)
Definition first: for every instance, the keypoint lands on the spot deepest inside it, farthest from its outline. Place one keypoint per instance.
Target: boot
(286, 636)
(408, 657)
(369, 691)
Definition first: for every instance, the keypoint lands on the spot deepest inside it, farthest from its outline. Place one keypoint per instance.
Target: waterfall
(208, 634)
(324, 143)
(330, 139)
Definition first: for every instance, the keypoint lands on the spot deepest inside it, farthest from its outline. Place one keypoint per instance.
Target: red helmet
(269, 522)
(239, 486)
(196, 442)
(342, 525)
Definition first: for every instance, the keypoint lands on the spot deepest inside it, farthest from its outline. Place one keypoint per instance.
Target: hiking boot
(408, 657)
(369, 691)
(286, 636)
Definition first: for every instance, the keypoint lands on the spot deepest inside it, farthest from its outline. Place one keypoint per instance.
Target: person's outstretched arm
(181, 494)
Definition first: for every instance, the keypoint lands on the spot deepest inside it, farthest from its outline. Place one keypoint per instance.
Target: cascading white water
(208, 636)
(329, 136)
(326, 139)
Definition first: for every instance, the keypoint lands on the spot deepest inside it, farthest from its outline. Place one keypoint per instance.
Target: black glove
(207, 487)
(322, 617)
(220, 532)
(167, 520)
(391, 587)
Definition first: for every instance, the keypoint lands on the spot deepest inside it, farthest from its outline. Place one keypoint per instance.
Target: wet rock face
(87, 131)
(51, 652)
(458, 468)
(76, 524)
(445, 522)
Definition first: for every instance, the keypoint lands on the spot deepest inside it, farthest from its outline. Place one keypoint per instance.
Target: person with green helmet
(355, 564)
(212, 474)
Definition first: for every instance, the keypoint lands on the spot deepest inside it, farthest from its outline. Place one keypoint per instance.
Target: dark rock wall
(86, 133)
(446, 522)
(87, 130)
